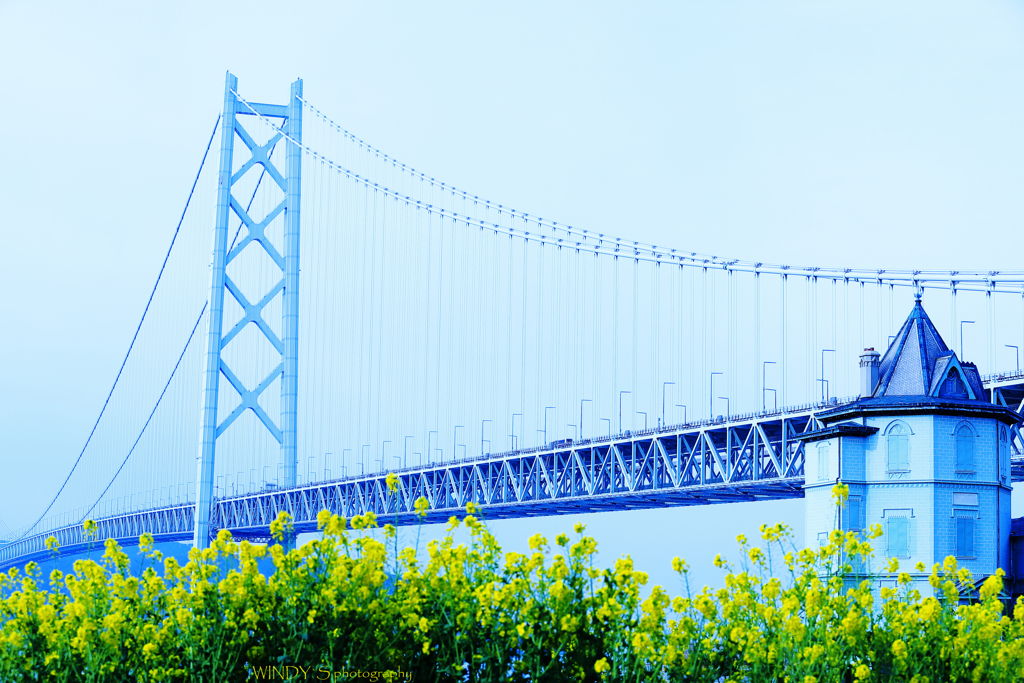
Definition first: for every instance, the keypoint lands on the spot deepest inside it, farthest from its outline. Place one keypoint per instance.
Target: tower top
(918, 361)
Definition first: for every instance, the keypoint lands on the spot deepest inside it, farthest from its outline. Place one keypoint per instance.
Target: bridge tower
(925, 454)
(287, 260)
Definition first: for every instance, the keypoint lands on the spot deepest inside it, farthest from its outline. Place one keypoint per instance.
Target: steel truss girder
(744, 460)
(751, 460)
(175, 523)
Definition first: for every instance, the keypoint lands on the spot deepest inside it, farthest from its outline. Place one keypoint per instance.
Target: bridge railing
(165, 523)
(1003, 376)
(802, 408)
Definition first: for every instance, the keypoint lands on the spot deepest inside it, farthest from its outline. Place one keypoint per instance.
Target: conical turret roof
(906, 368)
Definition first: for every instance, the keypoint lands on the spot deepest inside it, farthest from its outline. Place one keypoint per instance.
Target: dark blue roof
(1017, 526)
(915, 405)
(906, 367)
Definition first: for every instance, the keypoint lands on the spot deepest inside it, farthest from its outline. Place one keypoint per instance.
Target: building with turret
(926, 456)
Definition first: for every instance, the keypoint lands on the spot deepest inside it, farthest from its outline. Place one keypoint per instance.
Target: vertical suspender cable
(952, 314)
(783, 376)
(704, 339)
(757, 331)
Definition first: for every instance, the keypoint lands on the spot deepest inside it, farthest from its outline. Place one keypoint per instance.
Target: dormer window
(964, 449)
(954, 386)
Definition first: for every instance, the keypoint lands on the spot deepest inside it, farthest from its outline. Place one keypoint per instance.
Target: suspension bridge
(357, 317)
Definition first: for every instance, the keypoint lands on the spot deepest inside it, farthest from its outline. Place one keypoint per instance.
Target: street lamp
(680, 405)
(775, 397)
(482, 422)
(764, 383)
(546, 409)
(640, 412)
(711, 396)
(405, 452)
(609, 421)
(573, 431)
(344, 467)
(428, 445)
(1016, 352)
(663, 385)
(582, 401)
(726, 399)
(362, 458)
(824, 386)
(455, 444)
(620, 408)
(513, 434)
(962, 323)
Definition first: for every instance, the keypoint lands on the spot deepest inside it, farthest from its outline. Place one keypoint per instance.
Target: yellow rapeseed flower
(602, 665)
(840, 493)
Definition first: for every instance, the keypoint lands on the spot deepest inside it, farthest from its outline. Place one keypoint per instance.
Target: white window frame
(897, 429)
(973, 435)
(824, 450)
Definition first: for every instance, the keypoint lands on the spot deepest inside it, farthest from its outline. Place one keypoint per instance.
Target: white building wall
(924, 494)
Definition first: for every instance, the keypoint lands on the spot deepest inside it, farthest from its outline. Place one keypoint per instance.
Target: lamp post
(405, 452)
(428, 445)
(680, 405)
(640, 412)
(482, 423)
(455, 436)
(764, 383)
(546, 409)
(824, 386)
(663, 386)
(775, 396)
(1016, 352)
(726, 399)
(609, 421)
(582, 401)
(620, 408)
(962, 323)
(711, 396)
(575, 437)
(513, 434)
(327, 472)
(344, 467)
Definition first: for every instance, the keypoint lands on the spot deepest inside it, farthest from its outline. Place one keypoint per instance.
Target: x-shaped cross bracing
(253, 313)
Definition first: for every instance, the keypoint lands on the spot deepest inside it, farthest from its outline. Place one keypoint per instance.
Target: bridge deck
(746, 458)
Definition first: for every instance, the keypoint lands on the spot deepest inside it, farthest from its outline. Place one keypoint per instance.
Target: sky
(860, 134)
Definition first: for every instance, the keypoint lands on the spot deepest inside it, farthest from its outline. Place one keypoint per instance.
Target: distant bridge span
(743, 459)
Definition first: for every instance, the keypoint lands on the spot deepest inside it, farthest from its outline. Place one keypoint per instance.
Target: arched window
(823, 461)
(898, 446)
(964, 449)
(954, 386)
(1004, 450)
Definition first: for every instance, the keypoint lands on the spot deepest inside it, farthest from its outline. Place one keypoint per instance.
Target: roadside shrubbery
(354, 605)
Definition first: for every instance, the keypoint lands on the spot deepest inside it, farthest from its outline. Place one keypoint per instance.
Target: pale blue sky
(844, 133)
